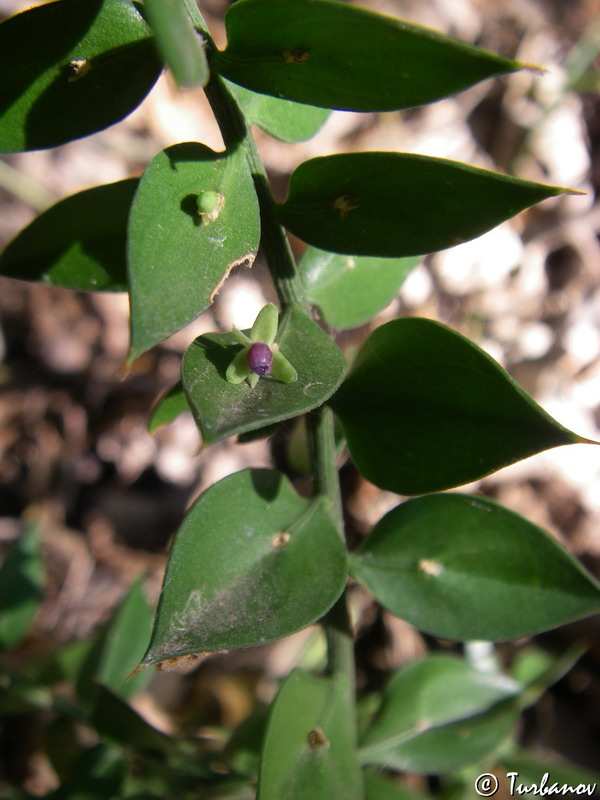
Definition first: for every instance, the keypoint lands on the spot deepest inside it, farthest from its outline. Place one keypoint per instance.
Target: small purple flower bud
(260, 358)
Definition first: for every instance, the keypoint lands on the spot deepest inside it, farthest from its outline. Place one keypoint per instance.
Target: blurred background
(75, 453)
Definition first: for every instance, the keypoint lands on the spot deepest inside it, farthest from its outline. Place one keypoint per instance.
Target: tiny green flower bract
(251, 366)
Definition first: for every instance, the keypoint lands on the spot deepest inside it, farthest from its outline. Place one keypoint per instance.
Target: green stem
(340, 642)
(336, 623)
(236, 133)
(323, 456)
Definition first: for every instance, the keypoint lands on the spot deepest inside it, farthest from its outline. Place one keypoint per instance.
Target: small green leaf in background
(308, 752)
(379, 788)
(178, 258)
(117, 650)
(398, 204)
(350, 290)
(463, 567)
(177, 40)
(537, 669)
(79, 243)
(425, 409)
(125, 643)
(222, 409)
(98, 774)
(22, 695)
(169, 406)
(282, 119)
(285, 48)
(252, 562)
(21, 586)
(69, 69)
(439, 714)
(116, 720)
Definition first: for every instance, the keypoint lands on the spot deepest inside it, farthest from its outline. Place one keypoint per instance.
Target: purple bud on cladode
(260, 358)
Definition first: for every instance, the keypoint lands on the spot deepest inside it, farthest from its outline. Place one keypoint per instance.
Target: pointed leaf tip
(372, 203)
(78, 243)
(425, 409)
(241, 582)
(485, 573)
(171, 245)
(285, 49)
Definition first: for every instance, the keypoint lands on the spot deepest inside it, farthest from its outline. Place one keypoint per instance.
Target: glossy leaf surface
(168, 407)
(308, 752)
(398, 204)
(464, 567)
(176, 38)
(178, 257)
(285, 48)
(350, 290)
(21, 586)
(252, 562)
(439, 714)
(71, 68)
(222, 409)
(425, 409)
(79, 243)
(282, 119)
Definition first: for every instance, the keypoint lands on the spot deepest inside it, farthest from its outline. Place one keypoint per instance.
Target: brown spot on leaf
(280, 540)
(78, 68)
(345, 203)
(430, 567)
(295, 56)
(317, 740)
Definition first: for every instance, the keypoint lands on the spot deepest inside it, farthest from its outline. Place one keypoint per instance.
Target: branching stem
(236, 133)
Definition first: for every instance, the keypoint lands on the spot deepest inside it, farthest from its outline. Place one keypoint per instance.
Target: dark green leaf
(222, 409)
(125, 643)
(283, 119)
(398, 204)
(252, 562)
(308, 752)
(538, 670)
(168, 407)
(439, 714)
(71, 68)
(464, 567)
(178, 257)
(21, 586)
(66, 663)
(285, 48)
(178, 42)
(97, 775)
(243, 749)
(259, 433)
(116, 720)
(379, 788)
(19, 694)
(350, 290)
(425, 409)
(79, 243)
(117, 650)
